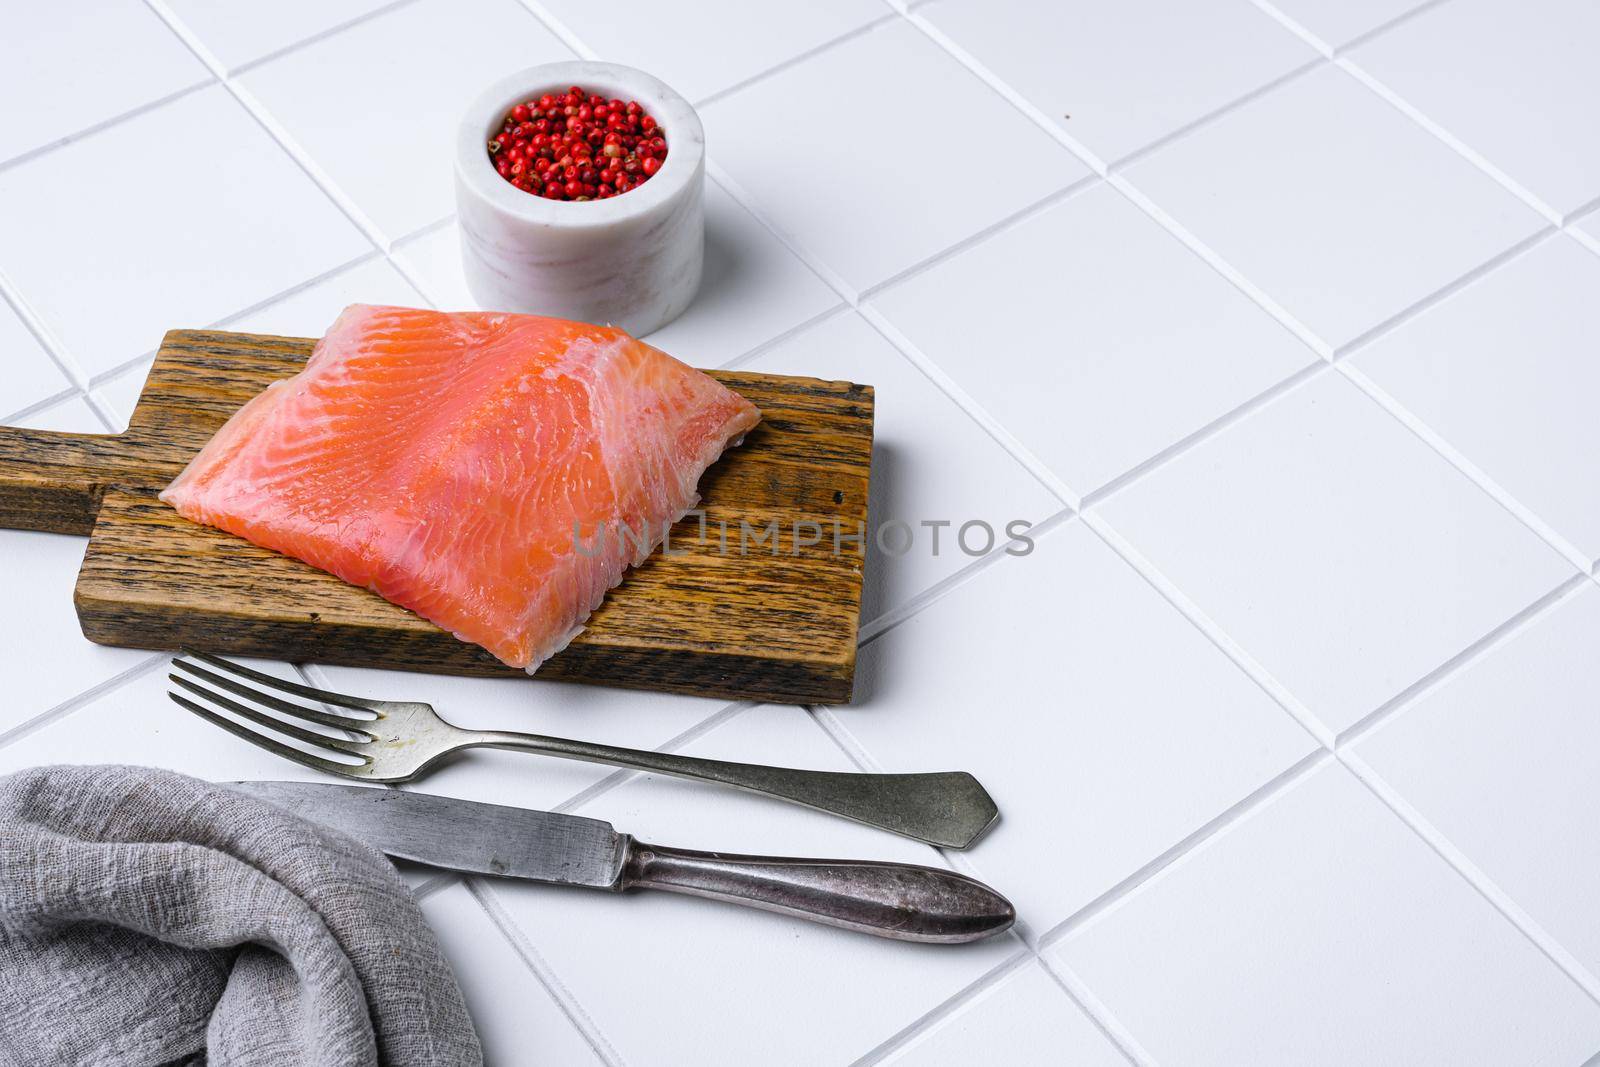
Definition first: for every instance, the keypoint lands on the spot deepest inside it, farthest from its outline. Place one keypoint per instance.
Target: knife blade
(897, 900)
(459, 835)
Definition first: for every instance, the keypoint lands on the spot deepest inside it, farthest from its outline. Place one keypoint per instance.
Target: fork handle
(898, 900)
(946, 808)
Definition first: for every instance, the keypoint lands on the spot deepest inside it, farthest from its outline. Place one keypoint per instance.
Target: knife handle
(898, 900)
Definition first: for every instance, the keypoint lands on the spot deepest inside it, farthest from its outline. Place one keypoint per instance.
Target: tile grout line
(1435, 679)
(1187, 848)
(1417, 308)
(1507, 501)
(889, 15)
(314, 38)
(857, 303)
(111, 374)
(762, 348)
(1339, 57)
(561, 31)
(1249, 289)
(1213, 633)
(586, 1025)
(1099, 1012)
(436, 884)
(78, 700)
(1027, 212)
(1333, 745)
(1174, 136)
(1301, 714)
(382, 250)
(914, 605)
(929, 1021)
(42, 335)
(1102, 1020)
(1377, 88)
(371, 255)
(269, 125)
(28, 155)
(1313, 368)
(974, 411)
(790, 242)
(105, 377)
(29, 410)
(1268, 8)
(1515, 916)
(1296, 710)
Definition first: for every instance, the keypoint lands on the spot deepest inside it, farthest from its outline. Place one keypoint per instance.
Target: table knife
(897, 900)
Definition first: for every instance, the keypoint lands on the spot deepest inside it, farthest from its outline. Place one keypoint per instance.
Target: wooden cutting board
(758, 624)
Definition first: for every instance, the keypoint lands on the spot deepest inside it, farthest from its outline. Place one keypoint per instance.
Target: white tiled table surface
(1281, 321)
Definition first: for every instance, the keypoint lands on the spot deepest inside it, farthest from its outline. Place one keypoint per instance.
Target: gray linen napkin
(147, 917)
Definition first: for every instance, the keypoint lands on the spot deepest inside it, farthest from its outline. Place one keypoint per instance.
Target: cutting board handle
(53, 481)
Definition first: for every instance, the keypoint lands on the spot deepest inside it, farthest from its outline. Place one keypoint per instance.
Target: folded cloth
(147, 917)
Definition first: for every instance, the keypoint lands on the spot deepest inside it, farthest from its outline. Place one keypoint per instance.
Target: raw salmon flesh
(494, 473)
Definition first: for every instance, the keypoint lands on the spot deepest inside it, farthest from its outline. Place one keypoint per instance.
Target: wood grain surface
(774, 620)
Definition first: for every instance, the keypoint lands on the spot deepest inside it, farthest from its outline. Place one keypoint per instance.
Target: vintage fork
(398, 740)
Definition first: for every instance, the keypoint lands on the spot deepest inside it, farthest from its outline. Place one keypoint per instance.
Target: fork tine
(342, 722)
(277, 748)
(359, 703)
(263, 719)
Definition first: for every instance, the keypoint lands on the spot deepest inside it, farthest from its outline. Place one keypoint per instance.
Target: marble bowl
(632, 261)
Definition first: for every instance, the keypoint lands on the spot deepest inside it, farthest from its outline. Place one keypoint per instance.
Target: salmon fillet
(494, 473)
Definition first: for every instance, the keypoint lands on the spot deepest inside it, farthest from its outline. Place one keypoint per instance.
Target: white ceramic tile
(1517, 84)
(930, 462)
(1025, 1019)
(690, 46)
(305, 312)
(121, 393)
(1503, 760)
(1337, 22)
(1529, 422)
(66, 67)
(874, 210)
(240, 33)
(1114, 374)
(767, 980)
(137, 723)
(388, 141)
(518, 1021)
(434, 260)
(310, 311)
(199, 234)
(1323, 931)
(584, 712)
(1106, 726)
(1318, 533)
(72, 415)
(1589, 226)
(1118, 77)
(30, 374)
(753, 289)
(48, 658)
(1346, 556)
(1335, 204)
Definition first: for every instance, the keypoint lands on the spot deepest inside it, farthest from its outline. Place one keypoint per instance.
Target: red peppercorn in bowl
(578, 145)
(596, 214)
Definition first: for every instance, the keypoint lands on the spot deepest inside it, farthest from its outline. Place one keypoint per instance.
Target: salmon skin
(497, 474)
